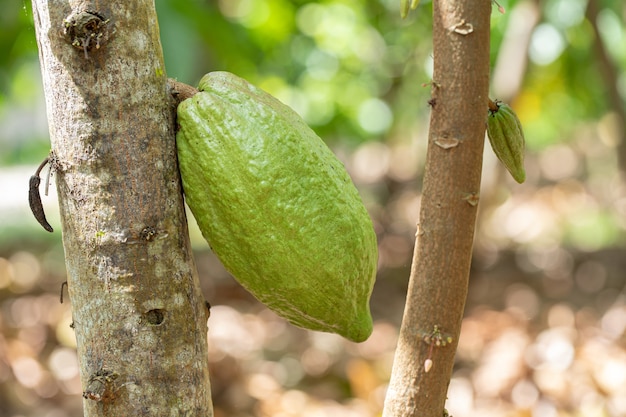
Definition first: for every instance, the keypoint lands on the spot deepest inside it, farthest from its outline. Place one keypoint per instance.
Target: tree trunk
(440, 270)
(139, 315)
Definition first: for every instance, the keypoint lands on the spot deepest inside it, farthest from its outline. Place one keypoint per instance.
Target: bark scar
(462, 28)
(447, 143)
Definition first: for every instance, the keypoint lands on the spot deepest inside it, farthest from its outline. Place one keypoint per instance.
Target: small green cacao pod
(507, 138)
(277, 207)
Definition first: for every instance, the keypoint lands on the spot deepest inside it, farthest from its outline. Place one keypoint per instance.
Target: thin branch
(440, 270)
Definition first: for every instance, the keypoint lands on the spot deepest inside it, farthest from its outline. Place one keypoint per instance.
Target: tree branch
(439, 274)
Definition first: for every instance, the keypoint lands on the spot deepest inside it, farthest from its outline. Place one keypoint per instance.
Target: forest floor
(544, 336)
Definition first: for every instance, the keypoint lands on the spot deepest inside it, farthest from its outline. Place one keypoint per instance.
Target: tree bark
(139, 315)
(440, 270)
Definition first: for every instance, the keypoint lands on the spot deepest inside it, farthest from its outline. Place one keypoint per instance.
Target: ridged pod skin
(507, 138)
(277, 207)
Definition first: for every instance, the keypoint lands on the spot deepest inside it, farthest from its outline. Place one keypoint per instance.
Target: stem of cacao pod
(493, 105)
(181, 91)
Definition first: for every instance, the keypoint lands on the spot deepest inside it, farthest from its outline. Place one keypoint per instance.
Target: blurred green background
(544, 333)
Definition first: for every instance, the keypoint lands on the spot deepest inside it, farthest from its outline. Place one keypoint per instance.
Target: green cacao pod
(507, 138)
(277, 207)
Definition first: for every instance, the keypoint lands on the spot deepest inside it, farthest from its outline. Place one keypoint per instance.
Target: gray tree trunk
(443, 251)
(139, 315)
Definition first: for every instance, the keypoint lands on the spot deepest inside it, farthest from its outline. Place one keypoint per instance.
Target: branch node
(101, 386)
(86, 30)
(472, 198)
(432, 83)
(434, 338)
(149, 233)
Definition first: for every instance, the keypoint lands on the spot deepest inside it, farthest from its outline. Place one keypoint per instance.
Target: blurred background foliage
(544, 330)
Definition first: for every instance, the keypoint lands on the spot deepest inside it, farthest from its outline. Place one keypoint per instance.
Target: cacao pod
(277, 207)
(507, 138)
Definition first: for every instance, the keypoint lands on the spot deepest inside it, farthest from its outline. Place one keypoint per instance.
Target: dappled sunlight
(543, 334)
(542, 329)
(560, 368)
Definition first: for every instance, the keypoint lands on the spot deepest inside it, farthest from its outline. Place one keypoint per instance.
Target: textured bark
(440, 270)
(139, 315)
